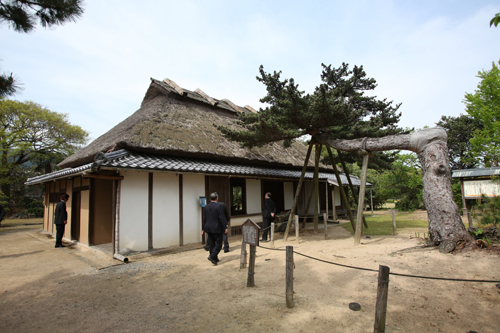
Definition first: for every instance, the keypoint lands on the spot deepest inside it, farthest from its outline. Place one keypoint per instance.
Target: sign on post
(250, 231)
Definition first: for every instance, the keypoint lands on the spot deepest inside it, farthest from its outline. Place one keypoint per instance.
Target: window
(238, 197)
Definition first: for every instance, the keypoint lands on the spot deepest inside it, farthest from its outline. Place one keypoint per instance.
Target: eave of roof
(124, 159)
(479, 172)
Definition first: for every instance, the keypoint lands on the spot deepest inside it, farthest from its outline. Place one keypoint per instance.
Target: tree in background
(460, 131)
(32, 137)
(23, 15)
(484, 106)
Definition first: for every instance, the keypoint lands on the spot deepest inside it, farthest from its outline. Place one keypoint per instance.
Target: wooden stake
(272, 235)
(297, 192)
(325, 222)
(361, 201)
(251, 267)
(297, 228)
(394, 222)
(381, 306)
(289, 277)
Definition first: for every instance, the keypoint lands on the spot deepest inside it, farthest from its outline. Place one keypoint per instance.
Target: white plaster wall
(289, 195)
(337, 196)
(193, 189)
(253, 198)
(165, 210)
(133, 226)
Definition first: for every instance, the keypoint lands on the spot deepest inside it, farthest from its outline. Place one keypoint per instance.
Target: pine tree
(22, 16)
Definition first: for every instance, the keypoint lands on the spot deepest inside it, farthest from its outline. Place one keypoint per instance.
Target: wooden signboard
(250, 231)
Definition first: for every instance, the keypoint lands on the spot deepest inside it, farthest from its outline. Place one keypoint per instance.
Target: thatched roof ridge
(180, 122)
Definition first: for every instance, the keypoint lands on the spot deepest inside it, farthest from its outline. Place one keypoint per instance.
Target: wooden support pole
(297, 192)
(297, 228)
(469, 217)
(325, 222)
(371, 199)
(272, 235)
(326, 195)
(307, 207)
(243, 256)
(394, 222)
(316, 186)
(342, 192)
(289, 277)
(251, 267)
(381, 306)
(346, 171)
(361, 201)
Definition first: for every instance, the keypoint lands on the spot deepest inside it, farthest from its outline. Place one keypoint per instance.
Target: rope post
(297, 228)
(381, 306)
(325, 221)
(251, 267)
(289, 277)
(243, 256)
(272, 235)
(469, 217)
(394, 222)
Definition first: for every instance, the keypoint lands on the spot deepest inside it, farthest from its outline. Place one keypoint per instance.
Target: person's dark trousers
(267, 223)
(226, 243)
(59, 233)
(215, 244)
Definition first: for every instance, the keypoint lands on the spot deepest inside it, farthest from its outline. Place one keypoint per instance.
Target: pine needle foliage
(338, 107)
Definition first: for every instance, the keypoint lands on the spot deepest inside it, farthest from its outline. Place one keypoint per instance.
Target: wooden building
(138, 186)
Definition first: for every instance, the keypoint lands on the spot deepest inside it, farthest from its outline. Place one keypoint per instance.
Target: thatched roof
(175, 121)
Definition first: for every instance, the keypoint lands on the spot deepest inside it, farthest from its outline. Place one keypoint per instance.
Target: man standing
(267, 214)
(215, 225)
(60, 219)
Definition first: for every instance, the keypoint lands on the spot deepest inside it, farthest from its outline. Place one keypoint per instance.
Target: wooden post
(381, 306)
(251, 267)
(342, 192)
(272, 235)
(316, 186)
(307, 207)
(469, 217)
(297, 192)
(371, 199)
(361, 201)
(243, 256)
(297, 228)
(394, 222)
(326, 194)
(346, 172)
(334, 209)
(325, 222)
(289, 277)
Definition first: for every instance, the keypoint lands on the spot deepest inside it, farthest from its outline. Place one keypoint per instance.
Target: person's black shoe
(264, 240)
(217, 260)
(206, 247)
(226, 250)
(212, 261)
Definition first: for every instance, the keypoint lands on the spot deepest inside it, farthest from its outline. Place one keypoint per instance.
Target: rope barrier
(391, 273)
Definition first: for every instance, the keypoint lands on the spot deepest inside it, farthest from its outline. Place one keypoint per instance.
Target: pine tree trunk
(446, 228)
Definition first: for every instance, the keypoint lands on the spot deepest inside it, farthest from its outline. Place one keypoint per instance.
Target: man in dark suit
(214, 225)
(2, 213)
(61, 218)
(267, 214)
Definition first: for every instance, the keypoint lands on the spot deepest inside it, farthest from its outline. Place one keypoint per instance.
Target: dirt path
(44, 289)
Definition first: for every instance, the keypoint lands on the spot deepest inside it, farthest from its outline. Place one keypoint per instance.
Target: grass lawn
(382, 224)
(15, 222)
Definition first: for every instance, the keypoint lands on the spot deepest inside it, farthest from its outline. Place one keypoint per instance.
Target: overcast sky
(424, 54)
